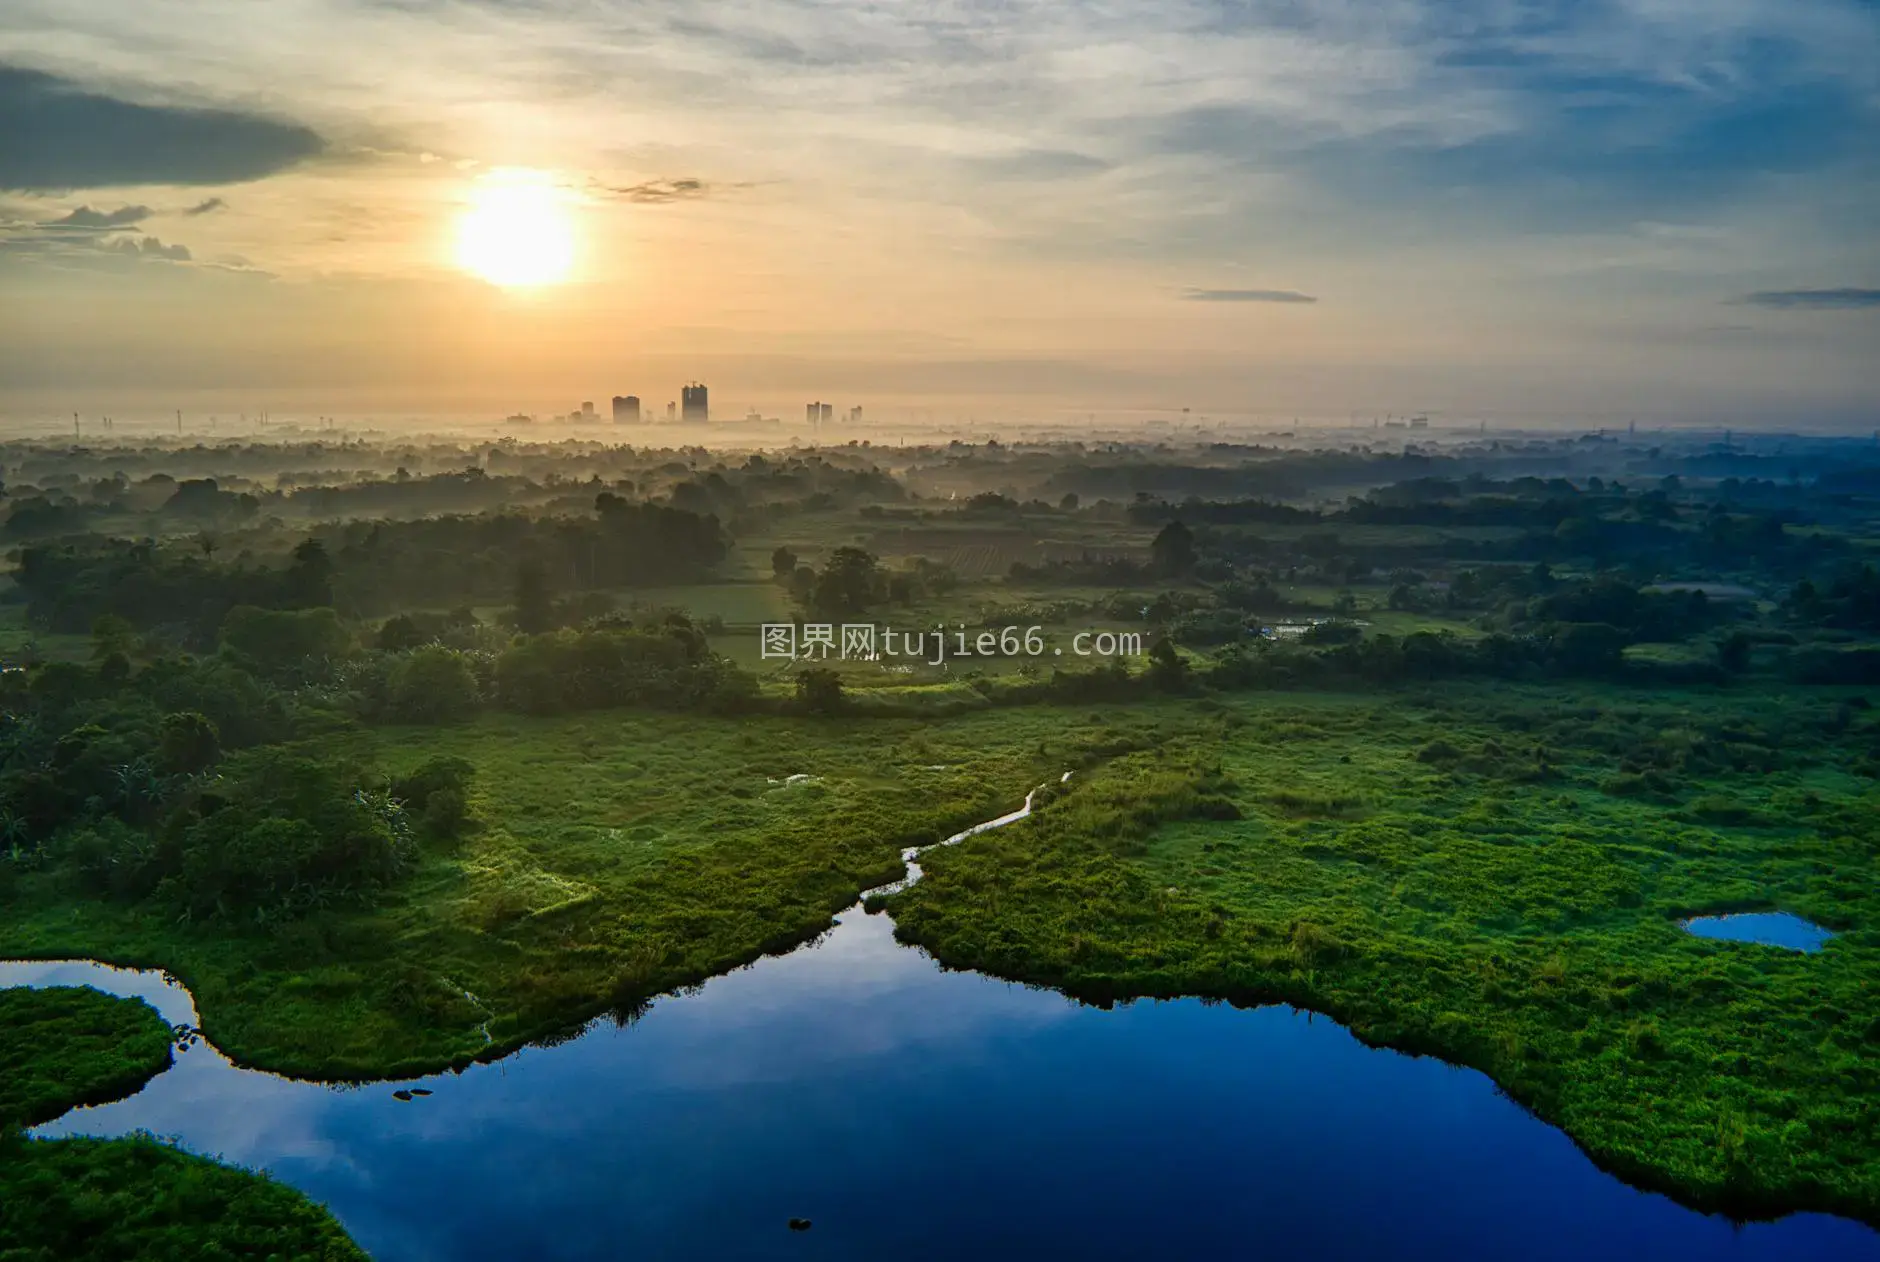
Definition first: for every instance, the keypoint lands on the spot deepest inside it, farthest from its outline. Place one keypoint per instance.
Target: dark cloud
(656, 192)
(56, 135)
(205, 207)
(103, 220)
(1246, 295)
(1814, 299)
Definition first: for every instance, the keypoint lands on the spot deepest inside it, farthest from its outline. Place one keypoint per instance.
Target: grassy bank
(71, 1045)
(123, 1200)
(1495, 878)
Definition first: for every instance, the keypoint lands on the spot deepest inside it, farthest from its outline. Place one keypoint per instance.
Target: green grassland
(617, 856)
(1495, 877)
(91, 1200)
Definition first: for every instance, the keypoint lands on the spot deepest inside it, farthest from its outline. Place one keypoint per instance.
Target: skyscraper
(587, 410)
(824, 410)
(811, 412)
(672, 411)
(695, 408)
(626, 409)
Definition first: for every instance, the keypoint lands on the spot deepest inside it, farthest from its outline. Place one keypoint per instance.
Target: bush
(432, 685)
(438, 792)
(819, 691)
(1330, 633)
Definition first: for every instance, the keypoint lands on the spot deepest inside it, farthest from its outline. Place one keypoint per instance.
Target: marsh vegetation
(89, 1200)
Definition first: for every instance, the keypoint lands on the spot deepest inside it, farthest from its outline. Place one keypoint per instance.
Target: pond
(1770, 928)
(916, 1113)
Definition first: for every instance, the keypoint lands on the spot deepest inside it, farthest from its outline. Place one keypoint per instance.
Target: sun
(516, 231)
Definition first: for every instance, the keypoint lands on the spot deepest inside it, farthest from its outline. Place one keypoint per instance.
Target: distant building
(587, 410)
(823, 411)
(672, 411)
(695, 406)
(855, 415)
(1419, 422)
(626, 409)
(812, 412)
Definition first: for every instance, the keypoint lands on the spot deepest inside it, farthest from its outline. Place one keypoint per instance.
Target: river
(915, 1113)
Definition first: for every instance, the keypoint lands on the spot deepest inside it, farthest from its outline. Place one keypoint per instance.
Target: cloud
(658, 192)
(103, 220)
(1039, 164)
(87, 238)
(205, 207)
(1814, 299)
(56, 135)
(1246, 295)
(151, 248)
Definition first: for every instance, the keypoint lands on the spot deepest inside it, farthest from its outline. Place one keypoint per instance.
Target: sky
(1583, 211)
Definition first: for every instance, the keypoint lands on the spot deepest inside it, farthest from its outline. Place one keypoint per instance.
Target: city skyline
(1582, 213)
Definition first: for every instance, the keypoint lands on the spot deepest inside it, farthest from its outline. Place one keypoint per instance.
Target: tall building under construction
(692, 404)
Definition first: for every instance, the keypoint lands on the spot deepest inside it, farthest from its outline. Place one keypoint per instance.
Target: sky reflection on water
(915, 1113)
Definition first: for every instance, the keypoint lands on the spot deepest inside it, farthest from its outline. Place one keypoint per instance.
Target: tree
(1734, 652)
(285, 645)
(782, 563)
(1167, 670)
(819, 690)
(111, 634)
(398, 633)
(310, 576)
(849, 583)
(187, 742)
(1173, 550)
(535, 606)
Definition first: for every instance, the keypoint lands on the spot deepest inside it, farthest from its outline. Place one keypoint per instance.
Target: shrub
(432, 685)
(438, 792)
(1438, 751)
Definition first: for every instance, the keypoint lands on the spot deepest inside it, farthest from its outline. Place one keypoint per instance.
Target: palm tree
(13, 834)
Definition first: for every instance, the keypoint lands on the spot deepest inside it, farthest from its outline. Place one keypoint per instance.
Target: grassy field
(20, 644)
(1479, 875)
(618, 856)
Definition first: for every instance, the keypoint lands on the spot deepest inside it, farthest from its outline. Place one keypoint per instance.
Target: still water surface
(1769, 928)
(913, 1113)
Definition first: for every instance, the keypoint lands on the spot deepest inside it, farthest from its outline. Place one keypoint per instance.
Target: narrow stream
(917, 1113)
